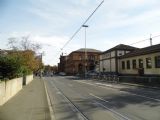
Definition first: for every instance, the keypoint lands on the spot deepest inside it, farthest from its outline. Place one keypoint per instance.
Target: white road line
(111, 110)
(70, 85)
(86, 83)
(104, 87)
(98, 97)
(58, 92)
(49, 103)
(73, 106)
(158, 100)
(107, 85)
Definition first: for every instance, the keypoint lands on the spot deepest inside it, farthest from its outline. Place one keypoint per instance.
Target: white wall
(148, 71)
(27, 79)
(2, 93)
(108, 62)
(9, 88)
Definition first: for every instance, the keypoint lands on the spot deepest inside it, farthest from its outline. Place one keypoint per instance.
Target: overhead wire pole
(79, 28)
(85, 54)
(151, 38)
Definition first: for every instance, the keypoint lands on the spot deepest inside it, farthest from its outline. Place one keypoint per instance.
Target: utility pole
(85, 70)
(41, 60)
(150, 39)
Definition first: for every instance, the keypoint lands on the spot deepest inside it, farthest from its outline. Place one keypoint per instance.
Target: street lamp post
(85, 70)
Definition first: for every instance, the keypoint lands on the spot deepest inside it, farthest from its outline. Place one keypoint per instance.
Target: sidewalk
(29, 104)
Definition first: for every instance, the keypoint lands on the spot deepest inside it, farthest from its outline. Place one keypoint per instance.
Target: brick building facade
(75, 62)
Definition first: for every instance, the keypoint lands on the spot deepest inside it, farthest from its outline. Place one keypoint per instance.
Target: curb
(128, 84)
(142, 86)
(49, 103)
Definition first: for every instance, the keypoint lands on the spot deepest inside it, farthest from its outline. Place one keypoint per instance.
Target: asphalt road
(74, 99)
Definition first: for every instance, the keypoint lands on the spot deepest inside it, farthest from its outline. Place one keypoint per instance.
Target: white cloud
(123, 13)
(114, 15)
(52, 47)
(51, 40)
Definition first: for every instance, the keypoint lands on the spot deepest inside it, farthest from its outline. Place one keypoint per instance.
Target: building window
(92, 57)
(128, 64)
(123, 65)
(107, 54)
(157, 61)
(80, 57)
(120, 54)
(140, 63)
(148, 63)
(134, 64)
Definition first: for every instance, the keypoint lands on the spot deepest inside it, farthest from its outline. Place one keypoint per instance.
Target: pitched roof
(121, 47)
(88, 50)
(143, 51)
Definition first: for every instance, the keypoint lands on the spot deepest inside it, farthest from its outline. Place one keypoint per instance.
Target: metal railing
(148, 80)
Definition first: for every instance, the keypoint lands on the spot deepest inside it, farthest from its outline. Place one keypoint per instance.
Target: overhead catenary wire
(155, 36)
(139, 41)
(82, 25)
(145, 39)
(61, 49)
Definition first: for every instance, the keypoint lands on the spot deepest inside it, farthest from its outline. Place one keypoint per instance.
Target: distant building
(109, 59)
(144, 61)
(61, 65)
(75, 62)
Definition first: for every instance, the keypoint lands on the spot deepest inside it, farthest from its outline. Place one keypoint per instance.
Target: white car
(62, 73)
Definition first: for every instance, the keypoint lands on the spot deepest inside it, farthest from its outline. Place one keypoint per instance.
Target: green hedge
(11, 66)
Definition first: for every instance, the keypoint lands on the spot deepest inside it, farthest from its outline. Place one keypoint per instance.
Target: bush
(11, 66)
(18, 63)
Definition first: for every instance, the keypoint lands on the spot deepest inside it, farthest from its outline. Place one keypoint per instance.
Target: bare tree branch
(24, 44)
(12, 43)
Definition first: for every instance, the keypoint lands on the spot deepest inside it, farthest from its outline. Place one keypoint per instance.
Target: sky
(53, 22)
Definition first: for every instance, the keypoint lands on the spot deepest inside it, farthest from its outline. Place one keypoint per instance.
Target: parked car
(92, 73)
(62, 73)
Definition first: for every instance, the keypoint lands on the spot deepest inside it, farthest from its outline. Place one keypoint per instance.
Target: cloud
(117, 21)
(123, 21)
(56, 41)
(52, 47)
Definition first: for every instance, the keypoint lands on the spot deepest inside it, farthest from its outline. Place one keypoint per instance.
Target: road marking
(76, 109)
(108, 85)
(70, 85)
(96, 85)
(58, 92)
(113, 111)
(98, 97)
(49, 103)
(104, 84)
(86, 83)
(145, 96)
(158, 100)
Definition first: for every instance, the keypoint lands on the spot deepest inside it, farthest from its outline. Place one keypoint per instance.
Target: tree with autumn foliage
(29, 59)
(26, 50)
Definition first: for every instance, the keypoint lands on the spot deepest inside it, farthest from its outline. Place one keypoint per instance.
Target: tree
(23, 43)
(11, 66)
(29, 59)
(12, 43)
(27, 49)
